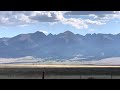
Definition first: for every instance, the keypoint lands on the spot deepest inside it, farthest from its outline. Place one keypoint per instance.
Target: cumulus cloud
(77, 23)
(108, 17)
(98, 15)
(43, 17)
(97, 22)
(81, 23)
(50, 16)
(27, 17)
(30, 17)
(58, 16)
(13, 18)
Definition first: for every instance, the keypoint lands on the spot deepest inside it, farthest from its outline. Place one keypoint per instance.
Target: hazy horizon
(59, 33)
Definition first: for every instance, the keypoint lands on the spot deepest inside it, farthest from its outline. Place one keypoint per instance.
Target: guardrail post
(80, 76)
(43, 75)
(111, 75)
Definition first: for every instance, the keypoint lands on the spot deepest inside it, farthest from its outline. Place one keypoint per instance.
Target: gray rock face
(64, 45)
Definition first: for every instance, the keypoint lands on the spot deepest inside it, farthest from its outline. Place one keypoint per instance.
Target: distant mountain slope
(65, 45)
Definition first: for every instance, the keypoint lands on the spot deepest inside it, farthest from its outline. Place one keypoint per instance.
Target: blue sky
(13, 23)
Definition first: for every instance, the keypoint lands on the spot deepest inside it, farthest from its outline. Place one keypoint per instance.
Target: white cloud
(77, 23)
(13, 18)
(47, 16)
(45, 32)
(81, 23)
(97, 22)
(93, 15)
(23, 25)
(23, 18)
(100, 17)
(58, 16)
(107, 17)
(3, 20)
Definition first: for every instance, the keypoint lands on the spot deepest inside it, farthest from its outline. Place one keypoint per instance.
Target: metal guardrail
(60, 73)
(81, 76)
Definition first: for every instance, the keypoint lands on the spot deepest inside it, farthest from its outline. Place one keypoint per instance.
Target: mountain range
(64, 45)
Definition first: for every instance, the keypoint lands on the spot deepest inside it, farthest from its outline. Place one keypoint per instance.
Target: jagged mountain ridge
(64, 45)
